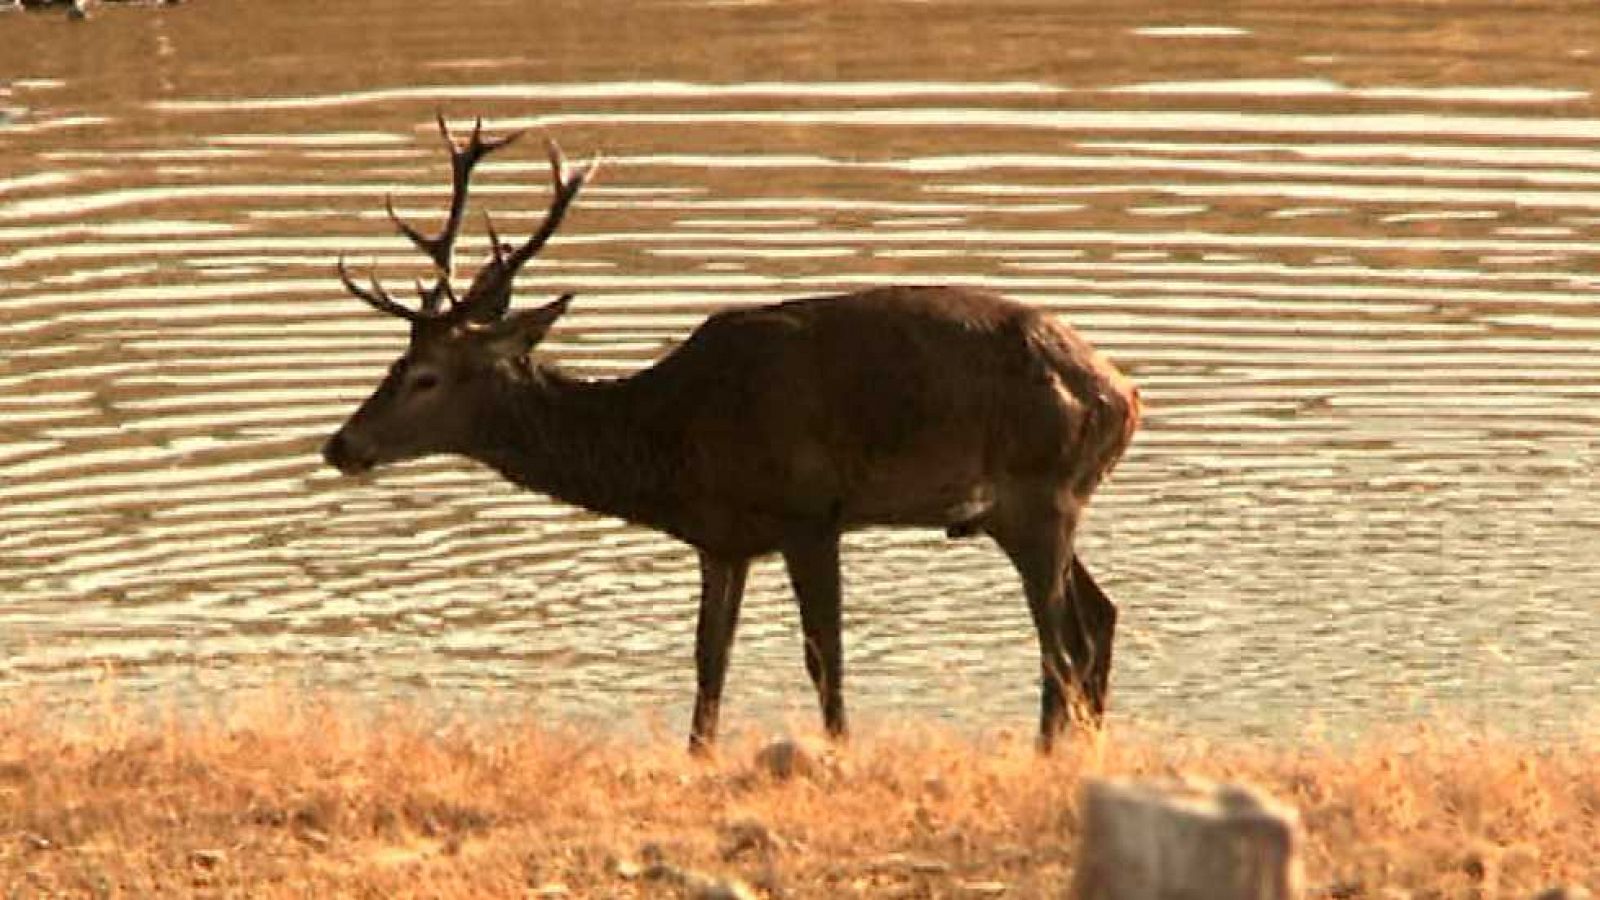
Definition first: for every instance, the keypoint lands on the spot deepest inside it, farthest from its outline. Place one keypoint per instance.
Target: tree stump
(1185, 840)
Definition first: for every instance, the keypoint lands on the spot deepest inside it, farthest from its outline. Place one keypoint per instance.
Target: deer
(774, 429)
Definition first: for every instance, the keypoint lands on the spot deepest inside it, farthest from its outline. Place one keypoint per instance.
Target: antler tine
(430, 297)
(497, 249)
(437, 301)
(566, 190)
(449, 292)
(430, 246)
(444, 130)
(441, 247)
(376, 297)
(486, 146)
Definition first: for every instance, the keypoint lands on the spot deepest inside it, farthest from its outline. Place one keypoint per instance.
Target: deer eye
(424, 381)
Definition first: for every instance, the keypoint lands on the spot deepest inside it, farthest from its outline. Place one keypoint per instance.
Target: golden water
(1347, 250)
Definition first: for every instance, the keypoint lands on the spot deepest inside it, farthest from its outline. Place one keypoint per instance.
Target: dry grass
(309, 798)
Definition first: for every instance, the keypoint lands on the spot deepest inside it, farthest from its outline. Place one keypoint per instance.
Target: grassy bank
(310, 798)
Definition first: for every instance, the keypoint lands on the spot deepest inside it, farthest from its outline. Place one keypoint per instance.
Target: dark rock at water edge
(78, 9)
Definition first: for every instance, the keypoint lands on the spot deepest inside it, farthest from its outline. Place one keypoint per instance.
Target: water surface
(1346, 250)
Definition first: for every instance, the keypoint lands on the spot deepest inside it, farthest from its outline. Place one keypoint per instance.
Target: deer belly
(934, 486)
(923, 504)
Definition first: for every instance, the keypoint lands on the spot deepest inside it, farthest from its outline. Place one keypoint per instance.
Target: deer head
(428, 403)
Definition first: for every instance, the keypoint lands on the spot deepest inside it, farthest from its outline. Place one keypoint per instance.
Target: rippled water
(1347, 251)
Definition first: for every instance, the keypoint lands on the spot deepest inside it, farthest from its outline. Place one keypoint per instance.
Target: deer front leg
(721, 590)
(813, 563)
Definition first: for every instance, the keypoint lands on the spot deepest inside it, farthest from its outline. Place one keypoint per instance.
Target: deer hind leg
(721, 591)
(813, 564)
(1090, 628)
(1040, 547)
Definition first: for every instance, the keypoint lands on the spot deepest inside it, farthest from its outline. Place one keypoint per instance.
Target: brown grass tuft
(310, 797)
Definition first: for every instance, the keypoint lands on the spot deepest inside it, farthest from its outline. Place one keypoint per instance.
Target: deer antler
(377, 297)
(441, 247)
(489, 296)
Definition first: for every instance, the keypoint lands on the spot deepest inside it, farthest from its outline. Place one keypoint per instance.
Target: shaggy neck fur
(594, 444)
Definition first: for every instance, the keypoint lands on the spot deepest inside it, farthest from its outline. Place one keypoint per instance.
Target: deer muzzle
(344, 454)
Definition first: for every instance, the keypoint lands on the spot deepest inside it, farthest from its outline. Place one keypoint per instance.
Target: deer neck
(594, 444)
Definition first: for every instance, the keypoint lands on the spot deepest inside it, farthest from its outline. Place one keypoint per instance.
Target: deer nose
(341, 453)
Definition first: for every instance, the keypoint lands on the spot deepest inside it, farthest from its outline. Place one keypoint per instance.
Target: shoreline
(208, 694)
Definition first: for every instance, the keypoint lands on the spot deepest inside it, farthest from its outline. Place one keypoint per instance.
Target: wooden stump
(1185, 840)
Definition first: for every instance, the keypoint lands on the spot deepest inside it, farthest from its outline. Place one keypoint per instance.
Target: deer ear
(519, 332)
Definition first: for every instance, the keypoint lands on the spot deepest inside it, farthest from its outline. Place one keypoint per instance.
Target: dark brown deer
(774, 430)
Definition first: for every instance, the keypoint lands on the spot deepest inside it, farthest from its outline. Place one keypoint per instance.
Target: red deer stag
(776, 429)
